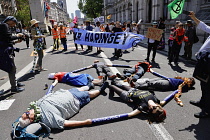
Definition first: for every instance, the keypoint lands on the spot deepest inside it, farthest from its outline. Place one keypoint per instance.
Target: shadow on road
(201, 130)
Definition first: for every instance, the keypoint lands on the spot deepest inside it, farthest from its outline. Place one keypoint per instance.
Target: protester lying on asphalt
(55, 108)
(144, 101)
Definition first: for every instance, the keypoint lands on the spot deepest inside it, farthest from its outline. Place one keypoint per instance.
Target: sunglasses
(27, 115)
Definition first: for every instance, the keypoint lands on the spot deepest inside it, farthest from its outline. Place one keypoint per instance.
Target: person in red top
(75, 79)
(179, 37)
(55, 34)
(63, 36)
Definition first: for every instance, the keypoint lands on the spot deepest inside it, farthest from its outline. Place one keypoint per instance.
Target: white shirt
(205, 28)
(97, 29)
(151, 40)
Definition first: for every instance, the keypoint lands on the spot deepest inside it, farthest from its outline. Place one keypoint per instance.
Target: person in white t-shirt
(152, 45)
(97, 29)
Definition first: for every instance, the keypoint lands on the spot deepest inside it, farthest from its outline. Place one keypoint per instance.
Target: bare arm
(192, 15)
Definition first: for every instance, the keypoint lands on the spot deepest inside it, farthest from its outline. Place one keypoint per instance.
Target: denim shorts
(82, 96)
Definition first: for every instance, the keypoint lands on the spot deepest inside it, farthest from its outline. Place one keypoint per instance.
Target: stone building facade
(58, 13)
(7, 7)
(151, 10)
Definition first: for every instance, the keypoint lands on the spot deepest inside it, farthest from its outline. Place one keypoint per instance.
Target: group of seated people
(56, 108)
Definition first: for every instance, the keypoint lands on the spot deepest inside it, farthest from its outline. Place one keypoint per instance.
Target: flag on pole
(175, 8)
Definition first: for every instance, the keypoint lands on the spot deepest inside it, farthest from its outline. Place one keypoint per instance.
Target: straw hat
(34, 21)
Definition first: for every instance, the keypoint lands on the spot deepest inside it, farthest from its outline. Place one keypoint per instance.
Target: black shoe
(147, 59)
(104, 86)
(176, 63)
(111, 93)
(64, 50)
(125, 71)
(202, 114)
(120, 76)
(17, 89)
(20, 84)
(153, 60)
(195, 103)
(112, 77)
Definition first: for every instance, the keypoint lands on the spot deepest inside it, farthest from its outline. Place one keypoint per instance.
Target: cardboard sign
(154, 33)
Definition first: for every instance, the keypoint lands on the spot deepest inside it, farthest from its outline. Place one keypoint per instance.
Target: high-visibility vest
(62, 32)
(55, 33)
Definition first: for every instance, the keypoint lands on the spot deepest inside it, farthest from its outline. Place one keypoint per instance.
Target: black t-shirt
(115, 29)
(141, 98)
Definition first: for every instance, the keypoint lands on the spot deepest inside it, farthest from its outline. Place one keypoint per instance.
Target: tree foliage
(91, 8)
(23, 12)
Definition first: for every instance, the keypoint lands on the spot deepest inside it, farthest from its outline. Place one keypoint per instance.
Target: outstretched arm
(69, 123)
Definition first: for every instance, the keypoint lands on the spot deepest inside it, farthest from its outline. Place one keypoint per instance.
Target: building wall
(147, 10)
(8, 7)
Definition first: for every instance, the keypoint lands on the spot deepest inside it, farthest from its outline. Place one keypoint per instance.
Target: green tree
(91, 8)
(23, 12)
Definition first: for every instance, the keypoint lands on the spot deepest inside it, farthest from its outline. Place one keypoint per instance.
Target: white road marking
(5, 104)
(158, 129)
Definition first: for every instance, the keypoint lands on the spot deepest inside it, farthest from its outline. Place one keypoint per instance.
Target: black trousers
(175, 50)
(188, 50)
(205, 98)
(56, 44)
(12, 78)
(151, 47)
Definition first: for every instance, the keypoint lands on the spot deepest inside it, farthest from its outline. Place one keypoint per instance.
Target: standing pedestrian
(170, 40)
(50, 29)
(204, 102)
(63, 39)
(55, 33)
(76, 28)
(26, 35)
(89, 28)
(117, 28)
(179, 37)
(190, 33)
(38, 43)
(152, 45)
(97, 29)
(162, 26)
(7, 54)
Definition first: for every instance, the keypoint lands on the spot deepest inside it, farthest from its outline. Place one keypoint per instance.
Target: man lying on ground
(183, 84)
(74, 79)
(54, 109)
(144, 101)
(136, 72)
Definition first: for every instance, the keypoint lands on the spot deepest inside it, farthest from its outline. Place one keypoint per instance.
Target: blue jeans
(140, 72)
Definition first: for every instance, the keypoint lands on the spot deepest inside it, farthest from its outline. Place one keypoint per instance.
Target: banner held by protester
(119, 40)
(176, 8)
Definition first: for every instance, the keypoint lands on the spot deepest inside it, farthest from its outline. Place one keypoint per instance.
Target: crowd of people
(56, 108)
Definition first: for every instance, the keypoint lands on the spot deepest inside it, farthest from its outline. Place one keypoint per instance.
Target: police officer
(7, 51)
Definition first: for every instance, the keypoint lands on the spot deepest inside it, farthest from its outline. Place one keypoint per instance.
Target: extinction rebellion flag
(175, 8)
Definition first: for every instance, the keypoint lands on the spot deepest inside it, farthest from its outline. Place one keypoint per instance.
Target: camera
(17, 49)
(185, 12)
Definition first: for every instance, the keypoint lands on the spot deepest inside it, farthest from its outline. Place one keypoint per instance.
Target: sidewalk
(195, 47)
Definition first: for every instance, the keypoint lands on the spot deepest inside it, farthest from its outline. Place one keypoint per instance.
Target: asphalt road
(179, 125)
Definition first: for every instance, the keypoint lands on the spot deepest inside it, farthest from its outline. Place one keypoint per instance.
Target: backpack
(32, 132)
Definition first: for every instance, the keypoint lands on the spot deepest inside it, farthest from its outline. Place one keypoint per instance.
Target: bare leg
(68, 123)
(94, 93)
(97, 81)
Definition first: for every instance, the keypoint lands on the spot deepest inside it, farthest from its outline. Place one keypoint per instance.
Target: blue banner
(119, 40)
